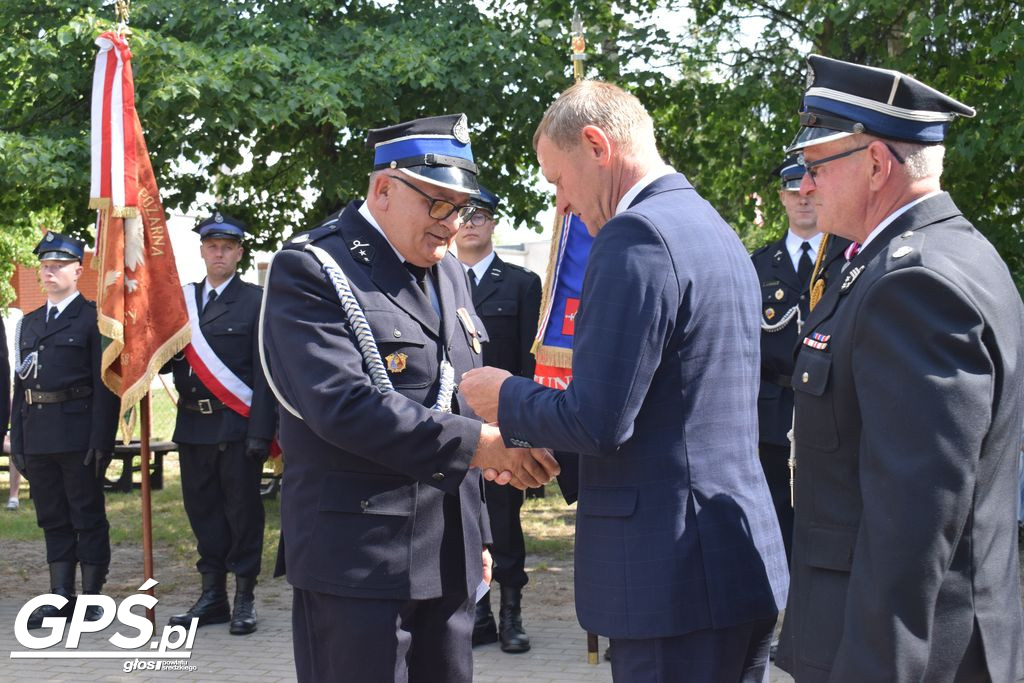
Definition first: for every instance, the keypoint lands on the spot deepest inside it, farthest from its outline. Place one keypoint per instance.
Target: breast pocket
(409, 357)
(230, 340)
(72, 350)
(501, 316)
(815, 425)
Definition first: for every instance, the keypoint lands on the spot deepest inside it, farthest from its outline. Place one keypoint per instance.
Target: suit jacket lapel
(64, 319)
(220, 305)
(446, 292)
(387, 272)
(782, 266)
(488, 284)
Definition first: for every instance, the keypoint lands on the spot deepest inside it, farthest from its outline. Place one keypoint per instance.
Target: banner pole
(147, 507)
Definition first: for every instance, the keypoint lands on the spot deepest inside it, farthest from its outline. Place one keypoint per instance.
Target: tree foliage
(727, 120)
(265, 104)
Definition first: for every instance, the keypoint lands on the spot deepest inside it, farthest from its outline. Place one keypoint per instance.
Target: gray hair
(920, 161)
(596, 103)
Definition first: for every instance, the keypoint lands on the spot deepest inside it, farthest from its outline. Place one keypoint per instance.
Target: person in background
(507, 299)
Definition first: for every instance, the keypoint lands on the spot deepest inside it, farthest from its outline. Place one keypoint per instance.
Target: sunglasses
(440, 209)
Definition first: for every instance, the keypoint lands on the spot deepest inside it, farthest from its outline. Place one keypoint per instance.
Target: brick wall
(29, 295)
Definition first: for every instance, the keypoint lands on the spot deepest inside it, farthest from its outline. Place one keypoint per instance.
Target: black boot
(211, 607)
(484, 630)
(510, 621)
(62, 582)
(243, 618)
(93, 578)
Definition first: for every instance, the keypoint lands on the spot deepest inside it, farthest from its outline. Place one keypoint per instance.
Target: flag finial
(579, 46)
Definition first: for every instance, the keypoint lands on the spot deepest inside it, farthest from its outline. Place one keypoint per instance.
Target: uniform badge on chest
(467, 322)
(817, 340)
(396, 362)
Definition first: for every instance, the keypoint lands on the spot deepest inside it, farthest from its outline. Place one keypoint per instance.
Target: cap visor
(810, 136)
(445, 176)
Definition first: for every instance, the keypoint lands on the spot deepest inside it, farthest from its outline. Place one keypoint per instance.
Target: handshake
(523, 468)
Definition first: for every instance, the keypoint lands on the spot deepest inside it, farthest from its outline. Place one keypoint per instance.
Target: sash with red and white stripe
(211, 371)
(114, 164)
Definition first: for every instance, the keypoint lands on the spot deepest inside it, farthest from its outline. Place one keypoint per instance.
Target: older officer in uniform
(226, 421)
(784, 270)
(507, 299)
(908, 406)
(63, 424)
(367, 323)
(679, 560)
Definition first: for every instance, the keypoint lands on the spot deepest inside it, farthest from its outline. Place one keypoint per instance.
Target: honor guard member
(63, 421)
(507, 299)
(225, 424)
(367, 322)
(908, 389)
(784, 270)
(5, 412)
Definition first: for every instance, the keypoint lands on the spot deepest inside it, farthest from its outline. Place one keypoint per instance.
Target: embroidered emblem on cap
(218, 217)
(396, 362)
(49, 237)
(461, 130)
(850, 278)
(902, 251)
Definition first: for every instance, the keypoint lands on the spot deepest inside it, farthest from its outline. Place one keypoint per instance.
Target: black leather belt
(784, 381)
(34, 396)
(206, 406)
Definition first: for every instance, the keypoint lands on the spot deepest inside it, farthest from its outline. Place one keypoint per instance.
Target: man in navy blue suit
(367, 323)
(679, 560)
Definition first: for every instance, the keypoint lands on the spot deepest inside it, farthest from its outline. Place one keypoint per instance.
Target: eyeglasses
(480, 219)
(440, 209)
(812, 166)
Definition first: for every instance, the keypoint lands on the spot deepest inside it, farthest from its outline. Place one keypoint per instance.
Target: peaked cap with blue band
(792, 172)
(435, 150)
(57, 247)
(488, 201)
(221, 226)
(845, 99)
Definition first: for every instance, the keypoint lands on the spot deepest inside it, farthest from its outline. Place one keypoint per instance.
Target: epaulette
(760, 250)
(516, 266)
(328, 226)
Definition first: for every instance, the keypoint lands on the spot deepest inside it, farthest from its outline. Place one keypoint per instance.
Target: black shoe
(211, 607)
(62, 582)
(93, 578)
(243, 617)
(484, 630)
(510, 622)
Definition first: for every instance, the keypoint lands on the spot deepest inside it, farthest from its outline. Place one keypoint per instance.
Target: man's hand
(99, 459)
(488, 566)
(521, 467)
(480, 386)
(258, 449)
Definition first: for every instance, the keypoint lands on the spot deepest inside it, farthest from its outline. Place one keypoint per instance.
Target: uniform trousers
(356, 639)
(775, 462)
(220, 486)
(727, 655)
(70, 508)
(508, 548)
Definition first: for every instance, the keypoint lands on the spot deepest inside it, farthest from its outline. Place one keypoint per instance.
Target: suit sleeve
(629, 302)
(263, 411)
(529, 312)
(319, 370)
(106, 404)
(925, 382)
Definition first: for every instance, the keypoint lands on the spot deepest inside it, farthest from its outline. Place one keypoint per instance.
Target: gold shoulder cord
(817, 290)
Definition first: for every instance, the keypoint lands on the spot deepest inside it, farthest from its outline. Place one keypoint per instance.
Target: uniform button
(364, 504)
(193, 390)
(39, 407)
(397, 333)
(802, 297)
(805, 378)
(438, 476)
(42, 346)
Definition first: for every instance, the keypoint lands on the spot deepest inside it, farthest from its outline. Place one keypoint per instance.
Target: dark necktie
(51, 315)
(472, 278)
(210, 299)
(805, 265)
(419, 274)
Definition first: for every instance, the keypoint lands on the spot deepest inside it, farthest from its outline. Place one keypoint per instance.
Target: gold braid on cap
(818, 284)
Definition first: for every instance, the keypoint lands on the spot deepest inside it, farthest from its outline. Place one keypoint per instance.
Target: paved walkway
(558, 654)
